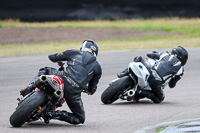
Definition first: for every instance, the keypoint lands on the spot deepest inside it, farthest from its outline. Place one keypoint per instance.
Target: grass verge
(132, 44)
(189, 29)
(187, 26)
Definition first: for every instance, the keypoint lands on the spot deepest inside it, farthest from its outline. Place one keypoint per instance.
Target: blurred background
(51, 10)
(48, 26)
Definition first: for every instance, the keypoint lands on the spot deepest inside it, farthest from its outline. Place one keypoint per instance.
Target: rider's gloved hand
(88, 91)
(153, 55)
(137, 59)
(173, 81)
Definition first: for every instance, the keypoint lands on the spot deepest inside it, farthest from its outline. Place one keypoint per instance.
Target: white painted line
(165, 124)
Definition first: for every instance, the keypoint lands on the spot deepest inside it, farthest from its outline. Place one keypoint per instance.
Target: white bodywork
(142, 73)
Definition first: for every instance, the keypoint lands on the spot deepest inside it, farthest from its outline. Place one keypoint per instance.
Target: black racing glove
(89, 91)
(153, 55)
(137, 59)
(173, 81)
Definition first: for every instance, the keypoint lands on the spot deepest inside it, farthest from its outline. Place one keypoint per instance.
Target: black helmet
(91, 46)
(181, 53)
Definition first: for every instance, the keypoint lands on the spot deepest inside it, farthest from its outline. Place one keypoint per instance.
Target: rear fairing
(141, 72)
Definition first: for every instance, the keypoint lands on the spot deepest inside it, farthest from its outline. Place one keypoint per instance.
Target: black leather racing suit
(82, 72)
(166, 70)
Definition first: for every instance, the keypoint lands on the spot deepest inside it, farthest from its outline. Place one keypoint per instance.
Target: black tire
(27, 107)
(113, 91)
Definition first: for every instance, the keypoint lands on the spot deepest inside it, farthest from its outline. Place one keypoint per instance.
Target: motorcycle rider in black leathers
(168, 69)
(82, 73)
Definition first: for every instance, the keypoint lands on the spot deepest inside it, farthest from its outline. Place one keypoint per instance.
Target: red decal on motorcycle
(62, 86)
(55, 83)
(36, 89)
(58, 79)
(62, 100)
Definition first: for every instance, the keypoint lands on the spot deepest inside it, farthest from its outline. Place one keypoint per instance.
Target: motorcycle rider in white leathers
(167, 68)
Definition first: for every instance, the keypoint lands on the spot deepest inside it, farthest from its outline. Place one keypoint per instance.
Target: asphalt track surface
(181, 103)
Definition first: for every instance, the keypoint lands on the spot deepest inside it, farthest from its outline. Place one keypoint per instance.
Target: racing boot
(30, 87)
(150, 95)
(137, 96)
(123, 73)
(63, 116)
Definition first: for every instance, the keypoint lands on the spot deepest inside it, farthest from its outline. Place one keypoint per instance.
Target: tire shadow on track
(53, 125)
(142, 102)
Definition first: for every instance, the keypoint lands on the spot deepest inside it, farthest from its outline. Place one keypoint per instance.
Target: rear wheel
(112, 93)
(27, 107)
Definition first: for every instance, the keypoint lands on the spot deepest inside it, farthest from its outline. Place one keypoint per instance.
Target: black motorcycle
(48, 96)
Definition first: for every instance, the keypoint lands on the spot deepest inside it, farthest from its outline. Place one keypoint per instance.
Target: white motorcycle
(124, 88)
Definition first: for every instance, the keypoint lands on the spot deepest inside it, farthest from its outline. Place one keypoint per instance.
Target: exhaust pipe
(43, 78)
(58, 93)
(55, 98)
(40, 80)
(130, 93)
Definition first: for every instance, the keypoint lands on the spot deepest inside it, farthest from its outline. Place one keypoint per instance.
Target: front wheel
(113, 91)
(27, 107)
